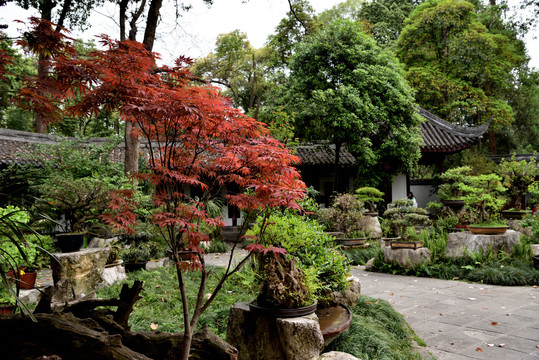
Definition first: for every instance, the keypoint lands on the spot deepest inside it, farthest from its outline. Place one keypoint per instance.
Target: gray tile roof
(323, 154)
(441, 136)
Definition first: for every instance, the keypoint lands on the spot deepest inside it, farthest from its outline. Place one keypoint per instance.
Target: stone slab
(407, 258)
(461, 243)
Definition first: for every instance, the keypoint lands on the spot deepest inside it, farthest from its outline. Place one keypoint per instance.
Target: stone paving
(460, 320)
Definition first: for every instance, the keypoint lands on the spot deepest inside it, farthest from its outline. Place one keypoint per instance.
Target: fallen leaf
(491, 345)
(535, 286)
(478, 349)
(157, 286)
(501, 345)
(494, 323)
(441, 314)
(472, 299)
(485, 308)
(451, 343)
(367, 302)
(153, 326)
(162, 299)
(391, 294)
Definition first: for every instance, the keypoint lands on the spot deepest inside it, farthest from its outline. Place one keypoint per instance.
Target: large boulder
(461, 243)
(81, 269)
(370, 225)
(407, 258)
(262, 337)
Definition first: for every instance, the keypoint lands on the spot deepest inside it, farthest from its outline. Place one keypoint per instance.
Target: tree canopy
(459, 69)
(345, 88)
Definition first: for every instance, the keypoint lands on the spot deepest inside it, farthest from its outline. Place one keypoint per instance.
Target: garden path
(461, 320)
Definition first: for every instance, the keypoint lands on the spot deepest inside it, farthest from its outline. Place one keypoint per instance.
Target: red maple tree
(196, 143)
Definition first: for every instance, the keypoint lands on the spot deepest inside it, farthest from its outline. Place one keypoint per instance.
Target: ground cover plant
(377, 330)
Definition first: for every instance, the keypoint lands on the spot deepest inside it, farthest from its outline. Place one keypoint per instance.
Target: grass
(360, 256)
(377, 330)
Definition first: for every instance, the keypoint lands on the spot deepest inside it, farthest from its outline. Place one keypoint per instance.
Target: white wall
(423, 194)
(398, 188)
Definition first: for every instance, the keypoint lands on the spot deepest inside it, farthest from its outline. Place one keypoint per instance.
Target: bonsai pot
(371, 213)
(70, 242)
(404, 244)
(488, 230)
(334, 320)
(515, 214)
(282, 312)
(454, 204)
(536, 261)
(134, 266)
(386, 241)
(350, 242)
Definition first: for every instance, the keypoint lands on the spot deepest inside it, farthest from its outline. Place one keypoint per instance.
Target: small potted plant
(136, 255)
(401, 215)
(344, 218)
(449, 192)
(370, 197)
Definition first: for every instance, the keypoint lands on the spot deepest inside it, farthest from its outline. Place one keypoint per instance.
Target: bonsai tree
(402, 214)
(450, 189)
(517, 177)
(304, 239)
(344, 215)
(370, 197)
(482, 194)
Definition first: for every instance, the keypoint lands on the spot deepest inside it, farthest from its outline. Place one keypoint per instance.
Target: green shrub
(305, 239)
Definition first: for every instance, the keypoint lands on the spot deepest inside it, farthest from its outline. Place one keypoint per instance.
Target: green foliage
(450, 190)
(460, 68)
(362, 255)
(141, 251)
(517, 177)
(344, 215)
(531, 223)
(306, 240)
(402, 214)
(344, 88)
(481, 193)
(377, 332)
(370, 196)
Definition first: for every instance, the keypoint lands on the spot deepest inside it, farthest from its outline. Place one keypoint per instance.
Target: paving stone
(516, 343)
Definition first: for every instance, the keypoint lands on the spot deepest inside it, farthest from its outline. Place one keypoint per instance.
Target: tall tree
(459, 69)
(343, 87)
(197, 141)
(242, 70)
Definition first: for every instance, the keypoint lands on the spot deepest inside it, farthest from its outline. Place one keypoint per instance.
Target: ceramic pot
(402, 244)
(487, 230)
(283, 313)
(333, 320)
(70, 242)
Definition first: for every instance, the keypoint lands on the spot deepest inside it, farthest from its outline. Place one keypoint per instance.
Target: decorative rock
(407, 258)
(369, 265)
(99, 242)
(350, 296)
(535, 249)
(370, 225)
(460, 243)
(113, 274)
(260, 337)
(301, 337)
(82, 269)
(337, 355)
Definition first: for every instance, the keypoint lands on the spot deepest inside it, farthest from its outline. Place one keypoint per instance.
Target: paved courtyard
(459, 320)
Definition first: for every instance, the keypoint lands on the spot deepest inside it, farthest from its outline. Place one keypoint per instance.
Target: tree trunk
(132, 146)
(337, 169)
(491, 142)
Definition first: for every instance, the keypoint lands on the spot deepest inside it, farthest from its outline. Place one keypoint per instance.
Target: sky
(194, 34)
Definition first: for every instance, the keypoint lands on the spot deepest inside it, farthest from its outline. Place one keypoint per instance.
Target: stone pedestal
(460, 243)
(535, 249)
(260, 337)
(407, 258)
(350, 296)
(81, 269)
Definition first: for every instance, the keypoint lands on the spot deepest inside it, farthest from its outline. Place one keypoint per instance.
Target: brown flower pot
(401, 244)
(333, 320)
(487, 230)
(7, 309)
(26, 281)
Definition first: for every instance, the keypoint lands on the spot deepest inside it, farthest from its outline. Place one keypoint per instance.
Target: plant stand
(461, 243)
(259, 336)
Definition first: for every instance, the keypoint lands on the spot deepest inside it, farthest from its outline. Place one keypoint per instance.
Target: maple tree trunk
(132, 146)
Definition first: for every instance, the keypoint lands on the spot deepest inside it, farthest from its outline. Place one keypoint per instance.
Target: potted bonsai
(304, 273)
(370, 197)
(482, 195)
(343, 218)
(517, 177)
(402, 214)
(136, 255)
